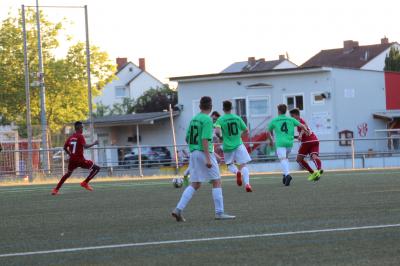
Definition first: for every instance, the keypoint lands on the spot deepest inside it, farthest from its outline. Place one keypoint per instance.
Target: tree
(126, 107)
(65, 78)
(156, 100)
(392, 60)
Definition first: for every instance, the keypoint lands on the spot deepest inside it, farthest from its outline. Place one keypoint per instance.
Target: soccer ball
(177, 182)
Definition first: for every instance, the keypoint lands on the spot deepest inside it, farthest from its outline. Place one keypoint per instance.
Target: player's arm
(218, 132)
(269, 137)
(207, 134)
(304, 129)
(87, 146)
(66, 146)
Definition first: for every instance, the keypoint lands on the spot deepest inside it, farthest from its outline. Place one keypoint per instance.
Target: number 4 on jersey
(284, 128)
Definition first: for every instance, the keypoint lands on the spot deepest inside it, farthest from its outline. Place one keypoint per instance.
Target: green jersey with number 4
(200, 127)
(232, 127)
(283, 127)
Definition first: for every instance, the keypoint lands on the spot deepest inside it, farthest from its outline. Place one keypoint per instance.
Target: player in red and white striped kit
(309, 146)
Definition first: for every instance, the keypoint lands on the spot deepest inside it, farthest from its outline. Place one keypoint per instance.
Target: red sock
(317, 162)
(61, 182)
(92, 174)
(306, 166)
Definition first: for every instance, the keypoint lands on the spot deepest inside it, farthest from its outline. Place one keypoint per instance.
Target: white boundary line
(168, 242)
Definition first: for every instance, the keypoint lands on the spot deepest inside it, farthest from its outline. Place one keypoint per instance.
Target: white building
(337, 91)
(131, 82)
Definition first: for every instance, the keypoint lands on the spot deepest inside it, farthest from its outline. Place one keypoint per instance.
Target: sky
(187, 37)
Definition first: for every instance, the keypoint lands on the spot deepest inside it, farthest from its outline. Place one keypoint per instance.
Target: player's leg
(71, 167)
(214, 175)
(94, 169)
(282, 153)
(195, 175)
(242, 157)
(229, 160)
(301, 155)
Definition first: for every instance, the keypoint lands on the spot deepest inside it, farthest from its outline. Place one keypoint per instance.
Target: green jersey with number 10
(232, 127)
(200, 127)
(283, 127)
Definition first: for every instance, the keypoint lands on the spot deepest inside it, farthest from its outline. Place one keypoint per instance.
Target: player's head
(282, 108)
(227, 106)
(205, 104)
(215, 115)
(78, 126)
(295, 113)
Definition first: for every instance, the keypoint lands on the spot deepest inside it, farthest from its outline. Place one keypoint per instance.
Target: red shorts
(85, 164)
(309, 148)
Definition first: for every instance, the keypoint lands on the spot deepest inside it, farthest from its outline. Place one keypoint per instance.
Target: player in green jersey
(203, 164)
(282, 127)
(232, 128)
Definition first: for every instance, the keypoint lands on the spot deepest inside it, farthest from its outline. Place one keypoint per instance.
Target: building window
(259, 106)
(345, 137)
(240, 108)
(317, 98)
(295, 101)
(121, 92)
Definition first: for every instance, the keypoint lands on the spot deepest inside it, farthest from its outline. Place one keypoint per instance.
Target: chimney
(121, 62)
(281, 57)
(349, 45)
(142, 64)
(251, 61)
(384, 40)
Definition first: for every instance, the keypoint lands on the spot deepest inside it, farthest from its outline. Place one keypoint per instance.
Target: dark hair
(205, 103)
(282, 108)
(227, 106)
(295, 111)
(78, 125)
(215, 113)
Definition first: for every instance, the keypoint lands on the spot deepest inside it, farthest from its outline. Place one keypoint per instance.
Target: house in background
(338, 92)
(353, 55)
(131, 82)
(253, 65)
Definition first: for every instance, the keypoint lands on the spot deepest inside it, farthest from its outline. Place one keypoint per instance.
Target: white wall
(143, 83)
(285, 64)
(221, 90)
(357, 95)
(378, 63)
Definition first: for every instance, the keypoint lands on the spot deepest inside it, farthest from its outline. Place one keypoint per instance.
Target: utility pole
(28, 100)
(89, 79)
(45, 146)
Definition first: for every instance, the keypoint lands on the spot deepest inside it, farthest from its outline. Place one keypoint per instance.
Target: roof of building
(131, 119)
(259, 65)
(270, 72)
(387, 115)
(355, 57)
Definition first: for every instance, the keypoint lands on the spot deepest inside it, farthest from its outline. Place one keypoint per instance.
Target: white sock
(285, 166)
(187, 172)
(232, 168)
(218, 200)
(185, 198)
(246, 175)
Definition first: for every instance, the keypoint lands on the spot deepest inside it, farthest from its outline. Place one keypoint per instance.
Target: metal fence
(161, 160)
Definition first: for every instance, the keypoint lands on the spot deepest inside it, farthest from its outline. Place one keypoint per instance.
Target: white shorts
(199, 172)
(239, 156)
(283, 152)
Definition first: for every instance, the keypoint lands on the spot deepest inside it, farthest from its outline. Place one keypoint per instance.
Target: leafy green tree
(392, 60)
(65, 78)
(156, 100)
(102, 110)
(126, 107)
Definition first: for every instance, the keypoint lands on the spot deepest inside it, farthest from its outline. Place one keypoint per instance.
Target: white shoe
(224, 216)
(177, 214)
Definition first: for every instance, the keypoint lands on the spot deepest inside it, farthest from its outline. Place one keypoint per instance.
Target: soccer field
(347, 218)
